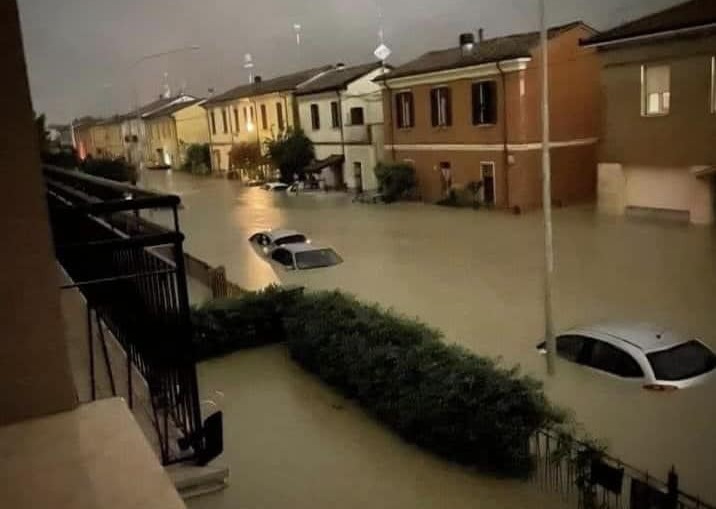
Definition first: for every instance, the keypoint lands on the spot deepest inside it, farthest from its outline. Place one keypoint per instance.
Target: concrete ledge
(95, 456)
(192, 481)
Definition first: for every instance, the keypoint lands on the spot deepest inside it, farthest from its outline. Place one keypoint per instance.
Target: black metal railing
(111, 256)
(590, 478)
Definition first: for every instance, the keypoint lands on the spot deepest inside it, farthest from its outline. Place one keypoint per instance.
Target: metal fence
(589, 479)
(110, 253)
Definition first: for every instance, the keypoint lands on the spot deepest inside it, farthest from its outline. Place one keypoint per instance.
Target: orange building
(472, 113)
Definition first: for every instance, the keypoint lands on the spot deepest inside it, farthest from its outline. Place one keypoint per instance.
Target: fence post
(673, 488)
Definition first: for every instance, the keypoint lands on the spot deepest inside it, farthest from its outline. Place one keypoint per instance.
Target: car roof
(647, 337)
(279, 233)
(302, 248)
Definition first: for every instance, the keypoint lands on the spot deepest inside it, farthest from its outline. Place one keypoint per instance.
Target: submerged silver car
(660, 359)
(304, 257)
(271, 239)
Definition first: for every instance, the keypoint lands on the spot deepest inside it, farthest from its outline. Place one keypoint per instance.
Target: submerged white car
(660, 359)
(304, 257)
(275, 186)
(271, 239)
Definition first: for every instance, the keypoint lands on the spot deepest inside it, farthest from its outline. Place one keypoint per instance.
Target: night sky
(80, 53)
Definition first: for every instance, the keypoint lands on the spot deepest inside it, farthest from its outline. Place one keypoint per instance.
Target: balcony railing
(110, 254)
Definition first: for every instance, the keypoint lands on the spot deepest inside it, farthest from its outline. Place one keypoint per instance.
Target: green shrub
(462, 406)
(395, 180)
(113, 169)
(225, 325)
(197, 159)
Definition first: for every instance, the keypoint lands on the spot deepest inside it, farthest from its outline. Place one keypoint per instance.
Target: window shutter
(490, 102)
(448, 106)
(434, 107)
(399, 111)
(411, 109)
(475, 103)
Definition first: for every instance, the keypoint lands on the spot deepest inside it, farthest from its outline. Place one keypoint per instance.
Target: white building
(341, 111)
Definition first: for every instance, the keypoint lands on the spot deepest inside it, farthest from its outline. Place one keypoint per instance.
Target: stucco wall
(684, 137)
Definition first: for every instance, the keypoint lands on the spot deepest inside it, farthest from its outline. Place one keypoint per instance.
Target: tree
(112, 169)
(290, 151)
(395, 180)
(197, 159)
(247, 157)
(43, 137)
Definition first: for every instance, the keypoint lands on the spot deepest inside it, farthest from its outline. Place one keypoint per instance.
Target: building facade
(342, 113)
(253, 113)
(171, 129)
(658, 76)
(472, 114)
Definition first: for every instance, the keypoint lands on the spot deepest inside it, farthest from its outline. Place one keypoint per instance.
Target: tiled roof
(693, 14)
(171, 109)
(485, 52)
(337, 79)
(280, 84)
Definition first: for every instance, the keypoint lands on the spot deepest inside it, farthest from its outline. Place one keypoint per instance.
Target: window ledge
(94, 456)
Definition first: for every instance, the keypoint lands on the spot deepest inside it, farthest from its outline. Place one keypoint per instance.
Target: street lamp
(550, 341)
(136, 91)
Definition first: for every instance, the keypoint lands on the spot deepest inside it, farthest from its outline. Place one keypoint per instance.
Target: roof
(151, 107)
(284, 83)
(280, 233)
(172, 108)
(302, 247)
(337, 79)
(644, 336)
(487, 51)
(331, 160)
(692, 14)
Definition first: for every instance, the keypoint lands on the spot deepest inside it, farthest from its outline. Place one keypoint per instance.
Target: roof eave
(662, 34)
(519, 62)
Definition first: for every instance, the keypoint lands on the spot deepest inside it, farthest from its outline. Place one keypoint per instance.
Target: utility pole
(547, 199)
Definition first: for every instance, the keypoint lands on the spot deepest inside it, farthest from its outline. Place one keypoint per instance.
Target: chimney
(467, 43)
(340, 66)
(481, 35)
(257, 79)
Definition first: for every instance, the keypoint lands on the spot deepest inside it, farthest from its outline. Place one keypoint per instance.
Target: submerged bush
(395, 180)
(457, 404)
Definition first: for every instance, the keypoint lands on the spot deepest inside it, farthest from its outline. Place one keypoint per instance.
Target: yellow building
(253, 113)
(172, 129)
(96, 137)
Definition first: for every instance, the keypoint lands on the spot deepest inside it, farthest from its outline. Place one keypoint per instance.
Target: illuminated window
(655, 90)
(405, 110)
(440, 107)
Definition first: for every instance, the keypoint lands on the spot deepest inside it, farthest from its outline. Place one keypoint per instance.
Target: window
(571, 347)
(315, 117)
(253, 113)
(484, 103)
(335, 115)
(236, 120)
(713, 84)
(404, 110)
(655, 90)
(283, 257)
(682, 362)
(317, 258)
(246, 116)
(357, 116)
(611, 359)
(440, 108)
(264, 117)
(213, 121)
(279, 116)
(224, 123)
(291, 239)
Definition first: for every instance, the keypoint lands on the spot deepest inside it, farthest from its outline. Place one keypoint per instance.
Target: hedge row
(461, 406)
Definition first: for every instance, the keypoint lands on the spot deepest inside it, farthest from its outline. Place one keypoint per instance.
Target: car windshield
(683, 361)
(291, 239)
(317, 258)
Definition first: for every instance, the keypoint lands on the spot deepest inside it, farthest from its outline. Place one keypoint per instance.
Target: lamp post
(136, 91)
(547, 198)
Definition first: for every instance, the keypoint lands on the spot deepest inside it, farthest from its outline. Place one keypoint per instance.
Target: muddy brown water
(478, 277)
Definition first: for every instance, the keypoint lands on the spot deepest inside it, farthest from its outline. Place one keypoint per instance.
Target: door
(358, 176)
(487, 172)
(216, 160)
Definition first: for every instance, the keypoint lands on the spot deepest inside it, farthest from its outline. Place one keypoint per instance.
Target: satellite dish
(382, 52)
(248, 61)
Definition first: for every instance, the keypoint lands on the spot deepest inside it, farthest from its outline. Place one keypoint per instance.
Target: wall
(327, 133)
(684, 137)
(191, 128)
(161, 134)
(35, 376)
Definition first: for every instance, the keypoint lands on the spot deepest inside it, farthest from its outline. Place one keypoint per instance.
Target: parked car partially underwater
(271, 239)
(275, 186)
(304, 257)
(658, 358)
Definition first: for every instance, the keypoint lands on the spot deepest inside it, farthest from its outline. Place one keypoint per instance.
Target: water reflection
(478, 277)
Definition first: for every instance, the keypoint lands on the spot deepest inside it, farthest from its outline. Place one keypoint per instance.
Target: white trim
(494, 180)
(492, 147)
(471, 72)
(668, 33)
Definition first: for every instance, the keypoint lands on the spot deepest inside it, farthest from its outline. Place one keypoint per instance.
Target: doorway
(358, 176)
(487, 173)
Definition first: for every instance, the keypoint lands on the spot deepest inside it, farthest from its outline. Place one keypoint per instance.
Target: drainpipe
(505, 133)
(392, 123)
(211, 142)
(285, 112)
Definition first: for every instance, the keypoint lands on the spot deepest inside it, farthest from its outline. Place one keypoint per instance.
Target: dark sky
(80, 52)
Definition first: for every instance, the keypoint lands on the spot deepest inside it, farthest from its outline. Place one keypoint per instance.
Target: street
(477, 275)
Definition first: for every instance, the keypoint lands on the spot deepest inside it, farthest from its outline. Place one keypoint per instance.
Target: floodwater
(477, 275)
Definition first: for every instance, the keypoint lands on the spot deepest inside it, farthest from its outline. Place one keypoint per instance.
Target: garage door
(659, 189)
